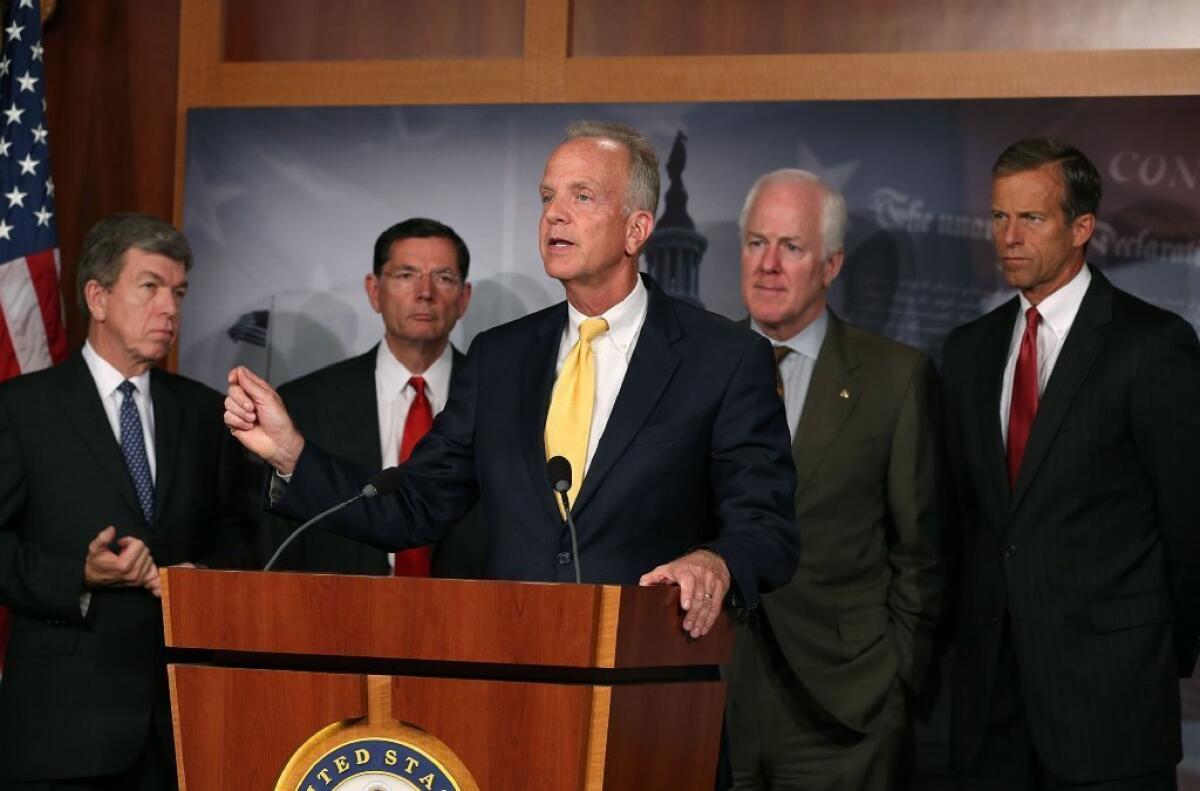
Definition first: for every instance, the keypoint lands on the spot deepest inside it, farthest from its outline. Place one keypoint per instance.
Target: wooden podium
(530, 685)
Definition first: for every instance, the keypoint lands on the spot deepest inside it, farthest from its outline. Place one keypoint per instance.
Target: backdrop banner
(283, 205)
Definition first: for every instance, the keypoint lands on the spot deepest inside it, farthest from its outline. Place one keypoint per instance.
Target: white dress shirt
(107, 379)
(612, 349)
(796, 369)
(394, 396)
(1058, 312)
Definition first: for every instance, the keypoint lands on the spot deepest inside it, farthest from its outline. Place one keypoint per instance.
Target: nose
(552, 211)
(424, 289)
(772, 258)
(1012, 234)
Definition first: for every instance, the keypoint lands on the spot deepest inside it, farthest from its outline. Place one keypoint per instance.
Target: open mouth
(557, 242)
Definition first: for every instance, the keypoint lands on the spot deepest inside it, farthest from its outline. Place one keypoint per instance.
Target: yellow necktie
(569, 420)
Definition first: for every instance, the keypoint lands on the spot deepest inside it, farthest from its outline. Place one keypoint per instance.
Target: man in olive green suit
(820, 672)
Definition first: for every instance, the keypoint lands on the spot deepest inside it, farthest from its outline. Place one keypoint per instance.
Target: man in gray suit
(820, 672)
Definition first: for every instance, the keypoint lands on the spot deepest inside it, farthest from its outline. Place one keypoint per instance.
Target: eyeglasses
(407, 279)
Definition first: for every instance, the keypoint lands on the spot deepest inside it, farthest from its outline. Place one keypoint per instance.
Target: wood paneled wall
(111, 71)
(122, 74)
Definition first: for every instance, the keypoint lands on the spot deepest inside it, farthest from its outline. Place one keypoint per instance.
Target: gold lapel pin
(844, 394)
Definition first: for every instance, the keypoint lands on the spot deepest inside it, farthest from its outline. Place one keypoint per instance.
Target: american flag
(31, 323)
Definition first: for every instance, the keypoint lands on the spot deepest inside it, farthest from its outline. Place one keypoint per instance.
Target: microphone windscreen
(386, 482)
(559, 471)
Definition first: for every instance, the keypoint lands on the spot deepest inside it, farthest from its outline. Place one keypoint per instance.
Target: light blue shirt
(796, 369)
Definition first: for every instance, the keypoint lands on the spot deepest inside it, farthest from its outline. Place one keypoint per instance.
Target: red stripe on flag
(43, 271)
(9, 367)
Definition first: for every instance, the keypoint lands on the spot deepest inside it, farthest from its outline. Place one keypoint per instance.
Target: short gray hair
(641, 193)
(833, 206)
(104, 248)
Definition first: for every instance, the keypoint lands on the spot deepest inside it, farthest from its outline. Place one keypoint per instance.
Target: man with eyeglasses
(375, 407)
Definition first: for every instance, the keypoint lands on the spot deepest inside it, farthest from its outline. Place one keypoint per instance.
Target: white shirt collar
(107, 377)
(807, 341)
(1058, 310)
(624, 319)
(393, 376)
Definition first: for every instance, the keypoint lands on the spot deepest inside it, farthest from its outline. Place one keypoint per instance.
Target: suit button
(564, 558)
(1010, 551)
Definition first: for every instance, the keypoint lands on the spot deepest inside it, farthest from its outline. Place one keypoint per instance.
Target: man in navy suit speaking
(667, 414)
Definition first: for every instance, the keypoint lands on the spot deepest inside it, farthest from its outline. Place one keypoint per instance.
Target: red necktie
(1024, 396)
(415, 562)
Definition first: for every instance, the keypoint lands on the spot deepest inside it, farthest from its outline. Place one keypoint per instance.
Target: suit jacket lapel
(1079, 351)
(168, 422)
(537, 383)
(81, 405)
(357, 411)
(650, 369)
(991, 381)
(825, 408)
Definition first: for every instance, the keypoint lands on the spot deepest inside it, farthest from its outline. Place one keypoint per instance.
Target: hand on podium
(703, 580)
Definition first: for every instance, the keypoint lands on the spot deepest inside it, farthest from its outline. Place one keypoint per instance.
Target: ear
(638, 228)
(371, 286)
(1082, 229)
(464, 299)
(96, 297)
(832, 266)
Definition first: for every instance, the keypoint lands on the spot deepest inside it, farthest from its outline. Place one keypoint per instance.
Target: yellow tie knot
(590, 329)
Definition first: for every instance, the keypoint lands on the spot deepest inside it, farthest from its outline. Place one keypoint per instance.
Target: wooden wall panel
(111, 70)
(781, 27)
(298, 30)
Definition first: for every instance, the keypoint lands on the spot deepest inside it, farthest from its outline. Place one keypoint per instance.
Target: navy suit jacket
(695, 453)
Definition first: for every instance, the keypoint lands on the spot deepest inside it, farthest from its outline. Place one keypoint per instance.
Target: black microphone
(559, 471)
(388, 481)
(370, 490)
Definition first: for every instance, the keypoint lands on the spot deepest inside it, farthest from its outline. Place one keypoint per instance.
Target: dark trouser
(1008, 758)
(780, 738)
(152, 770)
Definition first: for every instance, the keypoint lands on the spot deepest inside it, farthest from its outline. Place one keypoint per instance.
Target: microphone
(370, 490)
(388, 481)
(559, 471)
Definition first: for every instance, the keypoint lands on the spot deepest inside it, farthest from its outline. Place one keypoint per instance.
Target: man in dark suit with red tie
(1074, 431)
(375, 407)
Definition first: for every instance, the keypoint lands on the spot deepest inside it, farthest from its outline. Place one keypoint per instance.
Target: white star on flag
(50, 187)
(4, 146)
(28, 164)
(26, 4)
(16, 197)
(43, 216)
(5, 230)
(37, 50)
(14, 32)
(14, 114)
(27, 82)
(4, 66)
(39, 134)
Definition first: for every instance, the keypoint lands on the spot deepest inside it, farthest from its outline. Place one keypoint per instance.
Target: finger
(687, 589)
(239, 402)
(705, 623)
(254, 386)
(102, 540)
(657, 576)
(235, 422)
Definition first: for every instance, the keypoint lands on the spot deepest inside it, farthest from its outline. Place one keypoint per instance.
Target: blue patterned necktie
(133, 447)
